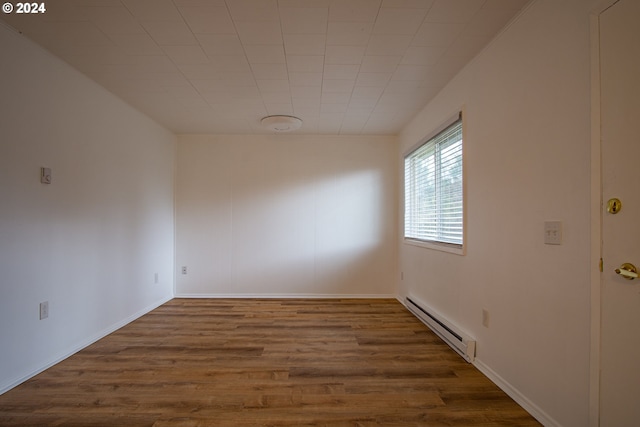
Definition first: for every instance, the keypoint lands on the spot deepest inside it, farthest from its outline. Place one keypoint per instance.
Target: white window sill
(442, 247)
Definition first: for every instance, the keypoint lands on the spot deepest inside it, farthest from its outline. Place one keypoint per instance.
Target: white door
(620, 139)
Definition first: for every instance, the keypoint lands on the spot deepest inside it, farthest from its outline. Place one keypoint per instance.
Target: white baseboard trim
(60, 357)
(522, 400)
(288, 296)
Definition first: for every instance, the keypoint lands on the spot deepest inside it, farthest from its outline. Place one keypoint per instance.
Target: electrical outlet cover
(44, 310)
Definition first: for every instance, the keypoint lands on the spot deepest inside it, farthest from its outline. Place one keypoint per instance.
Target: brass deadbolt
(614, 205)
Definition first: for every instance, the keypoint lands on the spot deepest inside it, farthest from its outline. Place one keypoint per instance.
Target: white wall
(527, 160)
(286, 215)
(91, 242)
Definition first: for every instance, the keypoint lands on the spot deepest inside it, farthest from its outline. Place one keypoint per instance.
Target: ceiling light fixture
(281, 123)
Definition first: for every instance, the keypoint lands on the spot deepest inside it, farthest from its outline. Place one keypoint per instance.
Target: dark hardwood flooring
(249, 362)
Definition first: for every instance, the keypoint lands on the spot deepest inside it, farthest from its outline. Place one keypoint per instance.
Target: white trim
(516, 395)
(60, 357)
(289, 296)
(595, 214)
(438, 246)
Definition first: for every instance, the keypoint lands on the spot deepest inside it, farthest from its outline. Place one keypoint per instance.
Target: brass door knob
(628, 271)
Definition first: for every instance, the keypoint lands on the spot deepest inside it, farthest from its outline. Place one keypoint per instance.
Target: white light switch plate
(553, 232)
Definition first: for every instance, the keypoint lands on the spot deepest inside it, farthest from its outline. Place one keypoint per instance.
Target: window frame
(454, 248)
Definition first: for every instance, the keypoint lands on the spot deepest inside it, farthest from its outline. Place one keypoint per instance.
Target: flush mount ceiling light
(281, 123)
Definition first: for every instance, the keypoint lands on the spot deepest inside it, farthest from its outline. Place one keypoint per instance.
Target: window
(433, 189)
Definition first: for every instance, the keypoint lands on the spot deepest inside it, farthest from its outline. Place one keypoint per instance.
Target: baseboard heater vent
(464, 345)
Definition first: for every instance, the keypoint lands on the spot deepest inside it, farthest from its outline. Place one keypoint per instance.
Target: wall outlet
(44, 310)
(45, 175)
(184, 269)
(156, 279)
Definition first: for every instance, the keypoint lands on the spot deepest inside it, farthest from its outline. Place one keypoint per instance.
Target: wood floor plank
(270, 362)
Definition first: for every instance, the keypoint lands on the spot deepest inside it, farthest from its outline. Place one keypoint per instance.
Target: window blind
(433, 189)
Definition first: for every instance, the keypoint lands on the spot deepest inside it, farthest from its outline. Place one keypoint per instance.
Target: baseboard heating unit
(464, 345)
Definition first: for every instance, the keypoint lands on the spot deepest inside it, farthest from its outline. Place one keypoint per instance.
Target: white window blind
(433, 189)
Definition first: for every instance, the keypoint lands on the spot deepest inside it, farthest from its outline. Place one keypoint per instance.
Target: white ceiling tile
(330, 123)
(344, 54)
(304, 44)
(487, 22)
(449, 65)
(308, 105)
(192, 103)
(379, 64)
(361, 108)
(199, 71)
(184, 91)
(113, 20)
(353, 10)
(259, 32)
(270, 71)
(277, 97)
(410, 72)
(351, 127)
(453, 11)
(402, 88)
(253, 10)
(136, 44)
(437, 34)
(208, 20)
(380, 124)
(265, 54)
(467, 47)
(298, 20)
(373, 79)
(409, 4)
(170, 33)
(153, 10)
(387, 44)
(220, 44)
(305, 79)
(335, 98)
(333, 108)
(422, 55)
(367, 92)
(350, 66)
(231, 64)
(341, 71)
(398, 21)
(285, 108)
(212, 90)
(306, 92)
(304, 3)
(341, 86)
(273, 85)
(305, 63)
(200, 3)
(232, 79)
(349, 33)
(512, 5)
(143, 65)
(186, 54)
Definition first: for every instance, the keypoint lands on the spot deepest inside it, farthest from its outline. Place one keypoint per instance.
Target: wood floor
(212, 362)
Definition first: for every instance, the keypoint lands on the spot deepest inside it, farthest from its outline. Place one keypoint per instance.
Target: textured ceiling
(219, 66)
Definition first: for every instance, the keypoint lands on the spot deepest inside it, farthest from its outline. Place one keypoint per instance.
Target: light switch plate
(553, 232)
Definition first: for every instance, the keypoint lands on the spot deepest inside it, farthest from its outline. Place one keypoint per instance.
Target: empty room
(319, 212)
